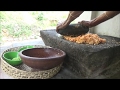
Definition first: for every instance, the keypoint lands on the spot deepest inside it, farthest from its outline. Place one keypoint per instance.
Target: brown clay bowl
(42, 58)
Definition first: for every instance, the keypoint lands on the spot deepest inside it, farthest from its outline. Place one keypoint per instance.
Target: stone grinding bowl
(42, 58)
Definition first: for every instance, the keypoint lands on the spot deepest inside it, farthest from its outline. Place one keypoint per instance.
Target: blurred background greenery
(25, 25)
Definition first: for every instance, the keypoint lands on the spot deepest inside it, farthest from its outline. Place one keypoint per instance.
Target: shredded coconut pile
(88, 38)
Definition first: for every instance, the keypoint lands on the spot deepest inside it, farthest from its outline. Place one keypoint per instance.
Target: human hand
(85, 23)
(61, 25)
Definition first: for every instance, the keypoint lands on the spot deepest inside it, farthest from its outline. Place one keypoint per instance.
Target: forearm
(73, 15)
(103, 17)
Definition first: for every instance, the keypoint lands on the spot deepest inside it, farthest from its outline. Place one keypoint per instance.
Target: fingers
(60, 25)
(80, 22)
(84, 23)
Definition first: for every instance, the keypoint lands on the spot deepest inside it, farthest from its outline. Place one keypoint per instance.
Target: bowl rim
(42, 58)
(25, 47)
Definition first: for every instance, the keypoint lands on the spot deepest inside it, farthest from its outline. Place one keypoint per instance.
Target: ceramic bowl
(12, 58)
(42, 58)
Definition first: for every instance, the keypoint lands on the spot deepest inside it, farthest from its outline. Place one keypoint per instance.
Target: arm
(71, 16)
(102, 18)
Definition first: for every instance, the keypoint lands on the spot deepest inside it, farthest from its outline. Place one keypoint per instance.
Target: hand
(61, 25)
(85, 23)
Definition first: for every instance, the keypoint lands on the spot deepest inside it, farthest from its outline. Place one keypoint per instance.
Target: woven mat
(25, 72)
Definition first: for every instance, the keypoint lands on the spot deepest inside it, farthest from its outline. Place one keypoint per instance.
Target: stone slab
(88, 61)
